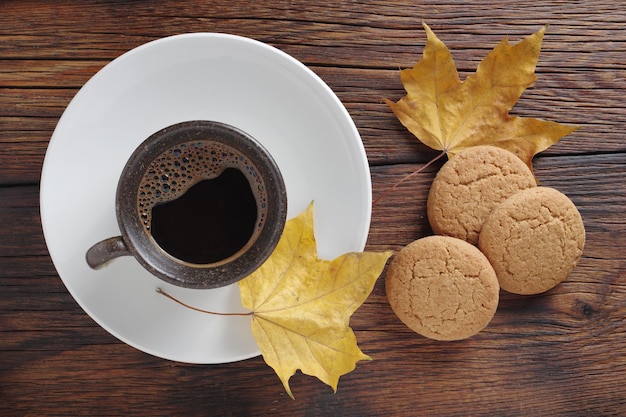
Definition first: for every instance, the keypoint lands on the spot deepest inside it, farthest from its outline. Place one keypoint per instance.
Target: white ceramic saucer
(235, 80)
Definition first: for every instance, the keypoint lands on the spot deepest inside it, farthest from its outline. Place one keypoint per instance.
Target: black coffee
(202, 201)
(212, 221)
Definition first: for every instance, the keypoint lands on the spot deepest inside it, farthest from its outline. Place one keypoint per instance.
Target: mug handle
(102, 252)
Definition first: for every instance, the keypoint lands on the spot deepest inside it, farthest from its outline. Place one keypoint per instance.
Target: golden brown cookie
(470, 185)
(442, 288)
(533, 240)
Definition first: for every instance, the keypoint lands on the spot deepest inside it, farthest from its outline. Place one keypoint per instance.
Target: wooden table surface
(558, 353)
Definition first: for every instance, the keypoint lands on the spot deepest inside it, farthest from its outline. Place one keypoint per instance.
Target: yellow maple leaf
(301, 305)
(449, 115)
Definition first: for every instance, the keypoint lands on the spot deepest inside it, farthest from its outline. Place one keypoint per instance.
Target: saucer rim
(76, 102)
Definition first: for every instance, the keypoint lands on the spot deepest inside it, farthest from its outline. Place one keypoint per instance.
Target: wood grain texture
(558, 353)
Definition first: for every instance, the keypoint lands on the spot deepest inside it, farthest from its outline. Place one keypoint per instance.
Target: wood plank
(341, 35)
(591, 181)
(31, 114)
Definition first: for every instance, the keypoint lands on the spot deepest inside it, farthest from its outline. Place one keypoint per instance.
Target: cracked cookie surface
(533, 240)
(442, 288)
(469, 186)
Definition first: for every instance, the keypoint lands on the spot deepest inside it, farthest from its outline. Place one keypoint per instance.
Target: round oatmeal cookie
(469, 186)
(533, 240)
(442, 288)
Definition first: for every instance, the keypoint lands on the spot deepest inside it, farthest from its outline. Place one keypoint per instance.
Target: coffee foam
(180, 167)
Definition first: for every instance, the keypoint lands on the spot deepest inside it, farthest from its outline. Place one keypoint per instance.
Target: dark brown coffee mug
(200, 204)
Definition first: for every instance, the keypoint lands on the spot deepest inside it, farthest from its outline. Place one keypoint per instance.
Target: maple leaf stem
(171, 297)
(406, 177)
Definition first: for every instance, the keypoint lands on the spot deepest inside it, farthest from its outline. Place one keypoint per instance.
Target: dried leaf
(449, 115)
(301, 305)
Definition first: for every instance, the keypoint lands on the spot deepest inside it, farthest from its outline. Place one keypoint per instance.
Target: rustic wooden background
(559, 353)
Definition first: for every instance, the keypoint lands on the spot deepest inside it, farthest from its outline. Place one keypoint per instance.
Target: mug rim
(160, 263)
